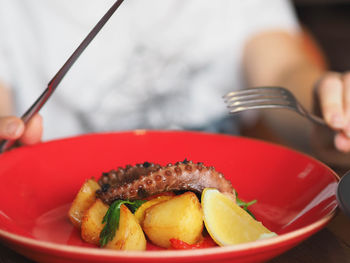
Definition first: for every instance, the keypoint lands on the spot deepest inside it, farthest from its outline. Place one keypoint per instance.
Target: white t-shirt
(157, 64)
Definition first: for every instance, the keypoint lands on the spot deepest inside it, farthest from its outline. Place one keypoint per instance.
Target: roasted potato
(181, 217)
(83, 200)
(91, 224)
(140, 212)
(129, 235)
(169, 193)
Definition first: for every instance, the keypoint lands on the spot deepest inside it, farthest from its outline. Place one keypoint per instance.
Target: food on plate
(83, 200)
(161, 203)
(147, 179)
(111, 222)
(140, 212)
(129, 235)
(180, 217)
(205, 242)
(227, 223)
(91, 224)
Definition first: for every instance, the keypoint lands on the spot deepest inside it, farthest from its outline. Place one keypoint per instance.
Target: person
(155, 65)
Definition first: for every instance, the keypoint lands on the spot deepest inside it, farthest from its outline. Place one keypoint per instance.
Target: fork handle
(5, 144)
(316, 120)
(37, 105)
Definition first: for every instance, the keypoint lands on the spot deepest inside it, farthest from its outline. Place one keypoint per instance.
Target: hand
(333, 95)
(13, 128)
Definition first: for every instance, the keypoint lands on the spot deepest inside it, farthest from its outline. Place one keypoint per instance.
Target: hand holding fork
(332, 93)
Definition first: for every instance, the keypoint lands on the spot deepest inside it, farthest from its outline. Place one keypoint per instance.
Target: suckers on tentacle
(143, 180)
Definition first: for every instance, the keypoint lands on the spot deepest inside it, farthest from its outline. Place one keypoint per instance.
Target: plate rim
(144, 132)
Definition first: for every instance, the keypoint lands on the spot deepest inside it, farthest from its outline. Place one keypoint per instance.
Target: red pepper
(204, 243)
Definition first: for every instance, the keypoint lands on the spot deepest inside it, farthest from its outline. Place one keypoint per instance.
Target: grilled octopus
(146, 179)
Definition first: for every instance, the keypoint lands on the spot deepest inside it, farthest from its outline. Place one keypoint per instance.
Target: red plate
(295, 193)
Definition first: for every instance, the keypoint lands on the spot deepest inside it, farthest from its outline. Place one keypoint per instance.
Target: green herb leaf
(135, 205)
(112, 216)
(245, 205)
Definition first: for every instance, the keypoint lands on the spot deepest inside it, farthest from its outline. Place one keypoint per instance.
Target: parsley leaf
(112, 216)
(245, 205)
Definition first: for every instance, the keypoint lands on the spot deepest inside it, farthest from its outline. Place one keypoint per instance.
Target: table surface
(330, 245)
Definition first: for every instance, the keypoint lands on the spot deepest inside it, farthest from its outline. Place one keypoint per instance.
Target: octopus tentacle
(180, 176)
(126, 175)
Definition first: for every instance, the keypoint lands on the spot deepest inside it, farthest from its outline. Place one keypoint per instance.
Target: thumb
(11, 127)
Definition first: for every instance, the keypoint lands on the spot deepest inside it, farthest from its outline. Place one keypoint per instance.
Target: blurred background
(328, 23)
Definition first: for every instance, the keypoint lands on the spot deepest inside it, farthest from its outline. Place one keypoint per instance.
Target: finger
(11, 127)
(330, 92)
(33, 131)
(346, 100)
(342, 142)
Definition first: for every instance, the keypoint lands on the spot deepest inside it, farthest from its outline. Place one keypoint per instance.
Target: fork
(278, 97)
(42, 99)
(267, 97)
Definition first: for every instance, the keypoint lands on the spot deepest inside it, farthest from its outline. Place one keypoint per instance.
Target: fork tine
(254, 91)
(259, 100)
(265, 95)
(236, 109)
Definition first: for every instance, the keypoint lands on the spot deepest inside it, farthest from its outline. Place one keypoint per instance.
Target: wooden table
(330, 245)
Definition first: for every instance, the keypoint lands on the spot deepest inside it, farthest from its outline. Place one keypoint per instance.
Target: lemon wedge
(227, 223)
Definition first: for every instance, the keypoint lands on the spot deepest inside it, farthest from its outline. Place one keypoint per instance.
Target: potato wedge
(83, 200)
(129, 235)
(180, 217)
(140, 212)
(169, 193)
(91, 224)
